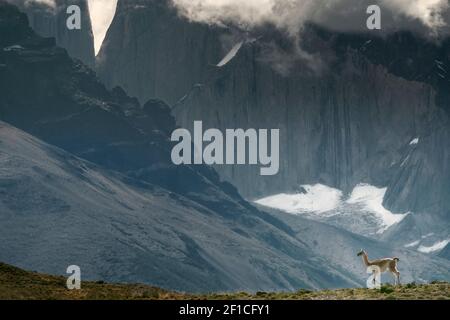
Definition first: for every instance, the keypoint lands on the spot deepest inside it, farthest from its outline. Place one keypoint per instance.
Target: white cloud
(50, 3)
(292, 14)
(430, 12)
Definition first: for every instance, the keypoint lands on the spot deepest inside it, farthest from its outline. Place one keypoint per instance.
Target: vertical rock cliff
(351, 108)
(50, 21)
(156, 53)
(339, 126)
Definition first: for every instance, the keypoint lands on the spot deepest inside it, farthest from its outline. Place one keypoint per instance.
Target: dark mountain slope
(57, 210)
(341, 126)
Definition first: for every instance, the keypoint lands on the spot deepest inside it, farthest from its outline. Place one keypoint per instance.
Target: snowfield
(363, 207)
(371, 199)
(317, 199)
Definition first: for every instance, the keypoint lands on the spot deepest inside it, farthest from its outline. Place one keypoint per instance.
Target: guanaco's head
(361, 253)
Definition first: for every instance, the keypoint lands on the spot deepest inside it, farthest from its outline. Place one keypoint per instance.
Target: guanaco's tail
(396, 259)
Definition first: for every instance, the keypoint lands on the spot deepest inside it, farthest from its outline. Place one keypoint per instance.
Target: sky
(102, 13)
(428, 15)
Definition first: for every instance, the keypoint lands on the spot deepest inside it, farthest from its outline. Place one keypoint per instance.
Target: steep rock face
(425, 167)
(341, 126)
(167, 57)
(372, 110)
(421, 184)
(445, 253)
(50, 21)
(338, 129)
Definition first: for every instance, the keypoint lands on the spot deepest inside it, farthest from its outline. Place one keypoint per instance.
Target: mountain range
(352, 108)
(86, 176)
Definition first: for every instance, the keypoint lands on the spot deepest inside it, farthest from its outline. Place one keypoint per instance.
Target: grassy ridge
(19, 284)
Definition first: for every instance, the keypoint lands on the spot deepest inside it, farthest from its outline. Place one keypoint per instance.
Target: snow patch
(428, 235)
(412, 244)
(435, 247)
(362, 212)
(15, 47)
(233, 52)
(318, 198)
(404, 161)
(440, 66)
(371, 198)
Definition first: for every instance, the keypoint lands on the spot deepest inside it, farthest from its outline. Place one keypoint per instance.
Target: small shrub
(150, 294)
(303, 291)
(386, 289)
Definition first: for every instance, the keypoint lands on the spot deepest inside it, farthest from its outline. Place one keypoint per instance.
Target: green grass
(18, 284)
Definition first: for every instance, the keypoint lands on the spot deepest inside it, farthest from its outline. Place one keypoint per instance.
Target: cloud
(50, 3)
(421, 15)
(426, 17)
(429, 12)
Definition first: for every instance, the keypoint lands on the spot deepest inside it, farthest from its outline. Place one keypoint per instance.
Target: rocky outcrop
(50, 21)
